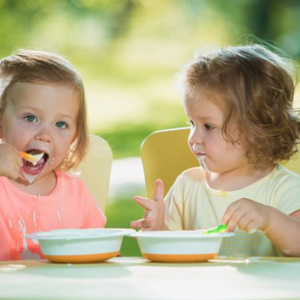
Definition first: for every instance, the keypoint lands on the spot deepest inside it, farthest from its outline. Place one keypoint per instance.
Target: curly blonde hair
(254, 86)
(35, 66)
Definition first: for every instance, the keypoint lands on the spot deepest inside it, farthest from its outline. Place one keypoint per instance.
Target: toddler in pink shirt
(42, 111)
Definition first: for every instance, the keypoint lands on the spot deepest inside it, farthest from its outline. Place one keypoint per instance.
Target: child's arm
(154, 210)
(10, 161)
(282, 230)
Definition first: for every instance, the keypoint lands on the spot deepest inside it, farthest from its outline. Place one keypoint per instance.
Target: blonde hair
(254, 86)
(35, 66)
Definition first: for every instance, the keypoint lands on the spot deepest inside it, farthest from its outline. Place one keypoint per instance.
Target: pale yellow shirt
(191, 204)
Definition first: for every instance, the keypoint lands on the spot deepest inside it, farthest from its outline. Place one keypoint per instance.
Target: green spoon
(218, 229)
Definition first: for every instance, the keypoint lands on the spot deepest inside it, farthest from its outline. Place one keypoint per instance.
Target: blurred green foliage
(126, 141)
(129, 50)
(119, 215)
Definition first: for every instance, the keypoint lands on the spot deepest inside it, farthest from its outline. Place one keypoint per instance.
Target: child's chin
(29, 178)
(30, 174)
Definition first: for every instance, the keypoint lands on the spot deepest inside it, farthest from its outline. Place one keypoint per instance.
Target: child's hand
(154, 210)
(10, 161)
(248, 215)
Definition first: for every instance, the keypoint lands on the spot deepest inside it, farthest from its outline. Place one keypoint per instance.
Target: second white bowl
(179, 246)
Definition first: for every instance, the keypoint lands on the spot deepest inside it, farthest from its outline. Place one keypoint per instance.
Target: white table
(136, 278)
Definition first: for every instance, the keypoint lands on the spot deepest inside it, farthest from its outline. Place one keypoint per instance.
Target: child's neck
(236, 179)
(41, 187)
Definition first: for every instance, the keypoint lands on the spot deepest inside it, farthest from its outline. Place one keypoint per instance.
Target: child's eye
(208, 127)
(61, 124)
(190, 122)
(30, 118)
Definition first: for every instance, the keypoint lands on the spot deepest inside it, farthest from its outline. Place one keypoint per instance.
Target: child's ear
(238, 145)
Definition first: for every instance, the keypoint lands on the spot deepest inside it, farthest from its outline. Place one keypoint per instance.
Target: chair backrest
(95, 169)
(165, 154)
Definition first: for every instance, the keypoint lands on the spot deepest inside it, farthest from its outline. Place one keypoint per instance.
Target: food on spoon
(33, 158)
(217, 229)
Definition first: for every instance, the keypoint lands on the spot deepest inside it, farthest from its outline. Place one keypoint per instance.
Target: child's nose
(195, 137)
(44, 134)
(43, 138)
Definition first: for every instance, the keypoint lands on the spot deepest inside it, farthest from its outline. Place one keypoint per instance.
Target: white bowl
(179, 246)
(80, 245)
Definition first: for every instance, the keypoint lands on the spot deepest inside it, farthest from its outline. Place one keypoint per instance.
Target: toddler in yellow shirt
(239, 101)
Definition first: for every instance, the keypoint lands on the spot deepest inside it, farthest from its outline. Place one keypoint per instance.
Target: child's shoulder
(69, 178)
(280, 173)
(192, 174)
(282, 170)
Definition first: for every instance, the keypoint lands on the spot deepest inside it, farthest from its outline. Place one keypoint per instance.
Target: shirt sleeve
(287, 191)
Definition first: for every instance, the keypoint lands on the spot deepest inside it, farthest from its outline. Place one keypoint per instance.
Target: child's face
(40, 117)
(206, 141)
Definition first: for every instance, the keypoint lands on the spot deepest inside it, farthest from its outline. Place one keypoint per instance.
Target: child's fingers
(227, 215)
(154, 209)
(144, 224)
(245, 223)
(232, 216)
(225, 220)
(136, 224)
(145, 203)
(244, 214)
(148, 215)
(141, 223)
(159, 191)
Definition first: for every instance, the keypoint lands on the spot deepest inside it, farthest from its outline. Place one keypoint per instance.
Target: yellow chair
(95, 169)
(165, 154)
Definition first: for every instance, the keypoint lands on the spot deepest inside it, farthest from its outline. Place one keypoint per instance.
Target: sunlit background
(128, 52)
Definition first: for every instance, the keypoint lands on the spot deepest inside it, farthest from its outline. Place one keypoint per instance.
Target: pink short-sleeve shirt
(70, 205)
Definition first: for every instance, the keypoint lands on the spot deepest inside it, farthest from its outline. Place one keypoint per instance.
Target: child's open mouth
(37, 167)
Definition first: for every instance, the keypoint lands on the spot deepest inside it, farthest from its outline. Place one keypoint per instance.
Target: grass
(119, 215)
